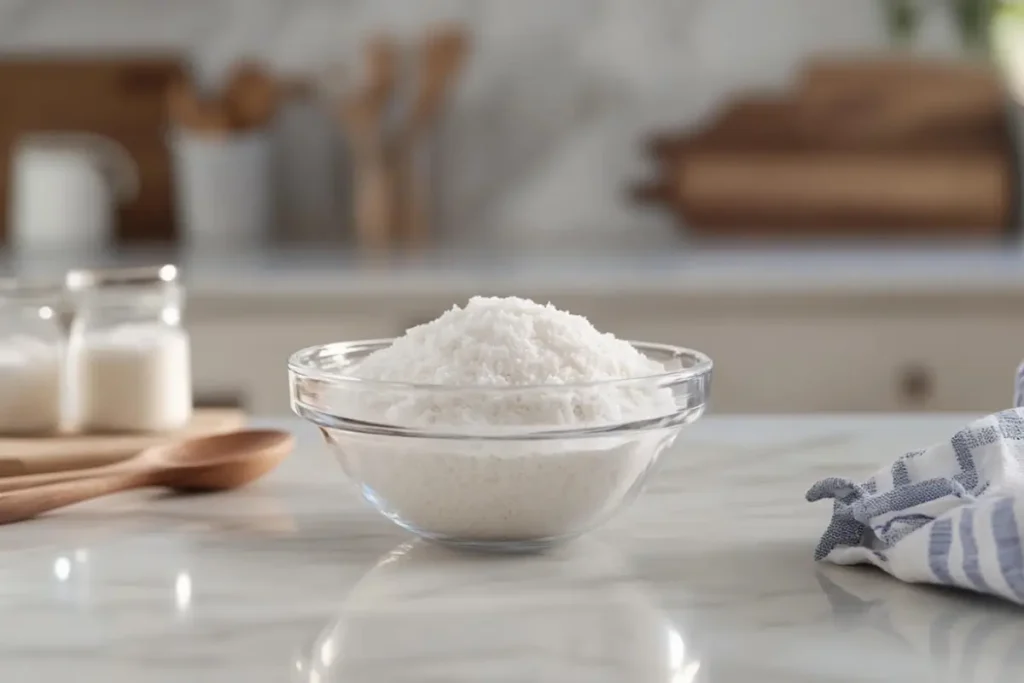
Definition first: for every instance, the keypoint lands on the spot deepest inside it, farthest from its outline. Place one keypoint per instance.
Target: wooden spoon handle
(17, 506)
(373, 199)
(413, 181)
(29, 481)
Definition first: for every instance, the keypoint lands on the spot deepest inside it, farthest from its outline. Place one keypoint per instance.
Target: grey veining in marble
(708, 578)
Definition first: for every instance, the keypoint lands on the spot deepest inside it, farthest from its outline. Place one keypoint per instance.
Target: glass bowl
(430, 459)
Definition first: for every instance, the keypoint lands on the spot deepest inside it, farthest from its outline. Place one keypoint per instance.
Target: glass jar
(31, 358)
(129, 358)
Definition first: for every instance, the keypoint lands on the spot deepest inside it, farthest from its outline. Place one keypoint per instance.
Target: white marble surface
(708, 578)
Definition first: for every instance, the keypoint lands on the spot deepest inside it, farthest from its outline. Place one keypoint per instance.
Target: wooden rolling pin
(967, 192)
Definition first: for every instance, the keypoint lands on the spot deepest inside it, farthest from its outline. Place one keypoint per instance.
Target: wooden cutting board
(121, 97)
(51, 454)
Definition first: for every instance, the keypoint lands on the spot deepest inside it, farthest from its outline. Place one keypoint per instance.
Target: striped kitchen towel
(951, 514)
(1018, 387)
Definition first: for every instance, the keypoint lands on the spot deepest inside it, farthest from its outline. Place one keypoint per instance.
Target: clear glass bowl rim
(304, 364)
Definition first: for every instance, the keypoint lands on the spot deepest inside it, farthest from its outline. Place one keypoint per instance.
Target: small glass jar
(129, 358)
(31, 359)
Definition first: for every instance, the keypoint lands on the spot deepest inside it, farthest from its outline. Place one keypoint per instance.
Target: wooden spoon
(212, 463)
(362, 113)
(442, 56)
(251, 96)
(195, 113)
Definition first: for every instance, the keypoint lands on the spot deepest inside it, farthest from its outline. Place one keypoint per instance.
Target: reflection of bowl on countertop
(425, 613)
(519, 487)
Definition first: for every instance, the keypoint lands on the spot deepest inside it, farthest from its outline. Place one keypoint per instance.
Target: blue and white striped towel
(952, 514)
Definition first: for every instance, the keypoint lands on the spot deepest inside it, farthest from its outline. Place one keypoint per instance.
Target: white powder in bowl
(502, 343)
(506, 365)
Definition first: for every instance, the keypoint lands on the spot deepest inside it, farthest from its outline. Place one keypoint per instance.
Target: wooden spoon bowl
(219, 462)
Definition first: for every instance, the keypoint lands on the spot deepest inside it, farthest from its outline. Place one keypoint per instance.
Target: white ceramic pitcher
(65, 189)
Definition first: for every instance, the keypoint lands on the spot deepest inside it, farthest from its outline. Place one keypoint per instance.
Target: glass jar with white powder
(129, 360)
(31, 358)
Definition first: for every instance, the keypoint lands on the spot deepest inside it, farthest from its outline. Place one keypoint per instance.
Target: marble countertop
(708, 578)
(290, 272)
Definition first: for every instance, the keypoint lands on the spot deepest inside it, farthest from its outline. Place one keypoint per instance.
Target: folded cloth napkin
(952, 514)
(1018, 387)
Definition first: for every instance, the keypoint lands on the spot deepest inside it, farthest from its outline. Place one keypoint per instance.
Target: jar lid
(78, 280)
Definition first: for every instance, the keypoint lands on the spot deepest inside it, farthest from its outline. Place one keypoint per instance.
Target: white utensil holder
(224, 186)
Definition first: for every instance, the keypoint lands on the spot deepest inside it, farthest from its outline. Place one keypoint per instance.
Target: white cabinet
(773, 354)
(865, 364)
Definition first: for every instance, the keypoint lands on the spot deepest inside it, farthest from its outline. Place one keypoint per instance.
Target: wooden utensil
(441, 57)
(382, 57)
(372, 179)
(214, 463)
(361, 113)
(199, 114)
(251, 97)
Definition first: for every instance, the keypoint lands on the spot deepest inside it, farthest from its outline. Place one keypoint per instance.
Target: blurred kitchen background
(825, 195)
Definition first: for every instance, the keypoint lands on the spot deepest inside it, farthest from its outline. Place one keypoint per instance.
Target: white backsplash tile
(109, 24)
(542, 138)
(236, 30)
(576, 197)
(755, 39)
(515, 26)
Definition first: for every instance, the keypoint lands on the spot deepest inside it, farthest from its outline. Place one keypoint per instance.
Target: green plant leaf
(902, 17)
(974, 19)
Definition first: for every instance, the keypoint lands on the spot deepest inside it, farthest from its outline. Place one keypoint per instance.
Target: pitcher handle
(114, 160)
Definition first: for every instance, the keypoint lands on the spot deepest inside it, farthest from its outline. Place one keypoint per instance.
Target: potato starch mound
(510, 342)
